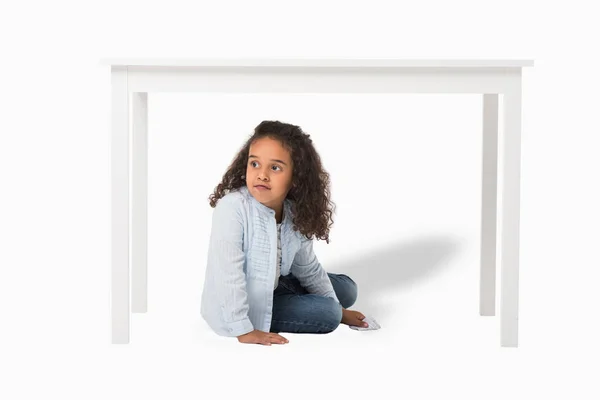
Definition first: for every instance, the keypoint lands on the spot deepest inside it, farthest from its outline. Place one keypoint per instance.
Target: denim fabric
(297, 311)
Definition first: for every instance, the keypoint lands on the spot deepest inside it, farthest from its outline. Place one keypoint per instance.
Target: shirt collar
(286, 204)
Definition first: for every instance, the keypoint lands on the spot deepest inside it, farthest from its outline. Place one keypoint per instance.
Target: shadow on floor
(394, 268)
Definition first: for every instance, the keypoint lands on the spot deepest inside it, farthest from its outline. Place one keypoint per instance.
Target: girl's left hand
(353, 318)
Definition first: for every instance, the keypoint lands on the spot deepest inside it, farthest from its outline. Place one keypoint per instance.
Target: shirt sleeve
(309, 272)
(226, 267)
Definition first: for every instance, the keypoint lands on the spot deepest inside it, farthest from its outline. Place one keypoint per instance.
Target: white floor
(432, 344)
(423, 290)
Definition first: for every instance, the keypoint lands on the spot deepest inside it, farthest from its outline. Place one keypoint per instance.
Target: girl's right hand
(261, 337)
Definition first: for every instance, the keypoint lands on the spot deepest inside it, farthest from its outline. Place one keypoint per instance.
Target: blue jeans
(297, 311)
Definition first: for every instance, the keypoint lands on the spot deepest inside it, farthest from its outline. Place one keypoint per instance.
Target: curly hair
(310, 193)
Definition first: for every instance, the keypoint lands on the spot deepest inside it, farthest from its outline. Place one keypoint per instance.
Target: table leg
(509, 291)
(119, 162)
(139, 218)
(489, 199)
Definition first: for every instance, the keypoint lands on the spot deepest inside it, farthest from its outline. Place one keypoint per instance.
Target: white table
(133, 79)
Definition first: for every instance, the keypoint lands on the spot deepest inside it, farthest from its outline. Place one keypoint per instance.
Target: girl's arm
(310, 273)
(225, 275)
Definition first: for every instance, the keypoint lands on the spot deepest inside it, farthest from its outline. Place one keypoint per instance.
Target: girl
(262, 275)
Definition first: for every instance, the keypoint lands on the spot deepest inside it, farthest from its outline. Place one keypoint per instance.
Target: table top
(313, 62)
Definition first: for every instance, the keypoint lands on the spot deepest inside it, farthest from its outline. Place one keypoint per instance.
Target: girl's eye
(252, 163)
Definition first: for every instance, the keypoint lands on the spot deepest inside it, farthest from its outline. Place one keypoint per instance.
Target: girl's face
(269, 165)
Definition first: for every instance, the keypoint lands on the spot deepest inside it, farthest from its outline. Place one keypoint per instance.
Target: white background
(406, 180)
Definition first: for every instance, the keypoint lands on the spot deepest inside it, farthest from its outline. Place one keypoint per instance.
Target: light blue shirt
(242, 262)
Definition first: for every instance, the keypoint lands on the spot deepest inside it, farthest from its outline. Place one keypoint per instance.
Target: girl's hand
(354, 318)
(261, 337)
